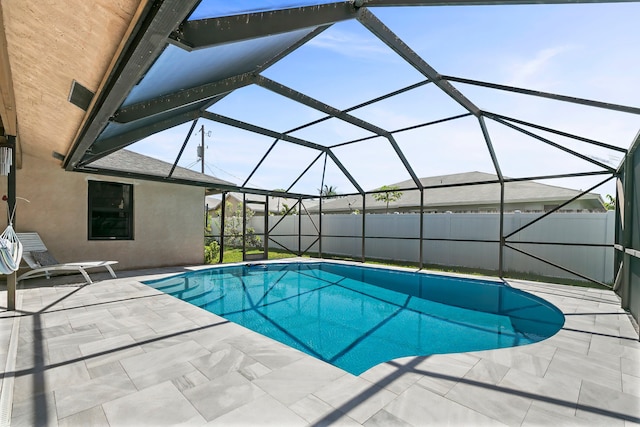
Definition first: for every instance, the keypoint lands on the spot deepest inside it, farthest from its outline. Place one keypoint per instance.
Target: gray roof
(487, 195)
(129, 161)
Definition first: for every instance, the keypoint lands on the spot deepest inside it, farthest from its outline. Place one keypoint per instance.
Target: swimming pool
(356, 317)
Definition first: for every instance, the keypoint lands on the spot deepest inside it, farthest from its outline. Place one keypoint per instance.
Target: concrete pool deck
(119, 353)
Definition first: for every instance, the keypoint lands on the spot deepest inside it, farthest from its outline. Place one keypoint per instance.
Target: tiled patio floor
(118, 353)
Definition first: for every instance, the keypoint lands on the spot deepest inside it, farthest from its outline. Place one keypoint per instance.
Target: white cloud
(533, 71)
(351, 44)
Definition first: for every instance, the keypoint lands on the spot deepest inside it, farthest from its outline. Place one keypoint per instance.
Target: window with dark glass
(110, 210)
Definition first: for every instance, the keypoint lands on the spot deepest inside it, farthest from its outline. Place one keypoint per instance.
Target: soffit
(48, 47)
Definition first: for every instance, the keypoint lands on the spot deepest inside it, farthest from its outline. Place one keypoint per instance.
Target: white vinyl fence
(395, 237)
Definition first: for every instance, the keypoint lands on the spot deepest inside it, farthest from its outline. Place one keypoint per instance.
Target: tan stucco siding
(168, 218)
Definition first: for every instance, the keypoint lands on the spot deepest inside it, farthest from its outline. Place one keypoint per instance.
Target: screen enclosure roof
(314, 90)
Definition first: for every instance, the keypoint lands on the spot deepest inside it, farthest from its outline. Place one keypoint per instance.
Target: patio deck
(118, 353)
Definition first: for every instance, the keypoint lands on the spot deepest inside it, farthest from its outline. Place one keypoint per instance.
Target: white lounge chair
(42, 263)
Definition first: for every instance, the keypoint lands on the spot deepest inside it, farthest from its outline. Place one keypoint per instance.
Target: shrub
(233, 227)
(212, 252)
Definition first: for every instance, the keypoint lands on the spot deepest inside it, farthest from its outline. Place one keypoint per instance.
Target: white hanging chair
(10, 247)
(10, 251)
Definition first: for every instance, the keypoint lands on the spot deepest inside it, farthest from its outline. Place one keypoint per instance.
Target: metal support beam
(223, 214)
(553, 144)
(557, 208)
(372, 101)
(204, 33)
(404, 161)
(381, 31)
(502, 239)
(291, 48)
(211, 185)
(287, 212)
(558, 132)
(434, 122)
(394, 3)
(11, 202)
(562, 175)
(107, 146)
(324, 171)
(364, 228)
(487, 140)
(264, 157)
(345, 172)
(393, 132)
(496, 165)
(364, 104)
(184, 145)
(309, 247)
(182, 98)
(556, 97)
(301, 98)
(299, 227)
(11, 291)
(310, 218)
(334, 112)
(388, 95)
(305, 171)
(320, 228)
(627, 225)
(635, 145)
(546, 261)
(421, 251)
(244, 227)
(266, 227)
(262, 131)
(11, 178)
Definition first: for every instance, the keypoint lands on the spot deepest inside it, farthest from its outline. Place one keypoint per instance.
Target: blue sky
(582, 50)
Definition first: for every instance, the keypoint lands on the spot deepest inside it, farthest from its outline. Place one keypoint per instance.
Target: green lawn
(235, 254)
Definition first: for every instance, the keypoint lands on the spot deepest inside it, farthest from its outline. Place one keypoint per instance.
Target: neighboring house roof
(255, 202)
(129, 161)
(479, 195)
(452, 197)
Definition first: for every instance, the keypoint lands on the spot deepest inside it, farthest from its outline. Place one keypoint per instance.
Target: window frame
(91, 208)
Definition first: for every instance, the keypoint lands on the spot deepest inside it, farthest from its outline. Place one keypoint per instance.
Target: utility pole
(201, 150)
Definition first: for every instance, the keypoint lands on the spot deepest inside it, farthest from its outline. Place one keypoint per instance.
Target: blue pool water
(356, 317)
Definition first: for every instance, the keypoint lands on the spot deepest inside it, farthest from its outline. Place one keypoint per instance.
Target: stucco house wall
(168, 218)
